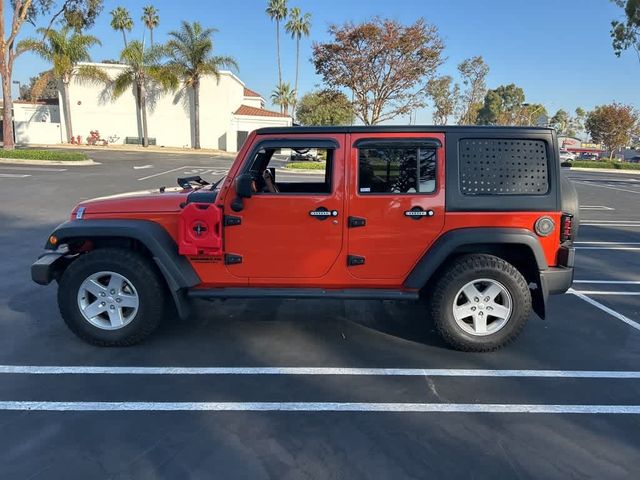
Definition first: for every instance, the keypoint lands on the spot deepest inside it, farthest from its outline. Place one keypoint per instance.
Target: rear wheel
(480, 303)
(111, 297)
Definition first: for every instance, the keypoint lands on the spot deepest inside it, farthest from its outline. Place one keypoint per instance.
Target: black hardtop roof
(401, 129)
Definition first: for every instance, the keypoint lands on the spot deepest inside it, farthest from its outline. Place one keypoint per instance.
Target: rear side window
(396, 169)
(503, 167)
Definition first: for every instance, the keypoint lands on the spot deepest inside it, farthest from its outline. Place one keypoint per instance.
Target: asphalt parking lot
(308, 389)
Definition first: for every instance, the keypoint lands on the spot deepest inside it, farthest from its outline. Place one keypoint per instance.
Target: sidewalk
(603, 170)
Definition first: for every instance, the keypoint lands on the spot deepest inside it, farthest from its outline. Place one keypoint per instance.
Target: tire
(480, 331)
(84, 286)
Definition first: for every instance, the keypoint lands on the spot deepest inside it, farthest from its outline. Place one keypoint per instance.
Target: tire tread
(438, 303)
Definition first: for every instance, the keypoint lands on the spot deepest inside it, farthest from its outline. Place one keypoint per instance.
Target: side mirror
(244, 182)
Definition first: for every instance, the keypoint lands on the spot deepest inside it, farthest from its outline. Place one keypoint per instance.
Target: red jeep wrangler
(475, 221)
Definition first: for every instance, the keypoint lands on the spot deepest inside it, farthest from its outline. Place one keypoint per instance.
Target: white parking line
(607, 248)
(606, 186)
(594, 220)
(595, 207)
(162, 173)
(606, 243)
(385, 372)
(318, 407)
(609, 221)
(610, 282)
(191, 170)
(606, 309)
(13, 175)
(602, 224)
(142, 167)
(605, 292)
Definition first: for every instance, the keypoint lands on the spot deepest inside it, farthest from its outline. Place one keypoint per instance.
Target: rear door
(395, 202)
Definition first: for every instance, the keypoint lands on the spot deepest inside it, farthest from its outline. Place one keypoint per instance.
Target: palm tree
(144, 69)
(298, 26)
(277, 10)
(150, 18)
(190, 57)
(64, 49)
(283, 96)
(121, 21)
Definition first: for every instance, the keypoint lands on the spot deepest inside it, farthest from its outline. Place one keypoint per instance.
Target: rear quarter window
(490, 166)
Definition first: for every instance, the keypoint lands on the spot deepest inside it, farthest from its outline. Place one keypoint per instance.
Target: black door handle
(321, 213)
(417, 213)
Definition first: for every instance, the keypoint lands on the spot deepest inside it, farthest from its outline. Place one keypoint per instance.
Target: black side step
(347, 294)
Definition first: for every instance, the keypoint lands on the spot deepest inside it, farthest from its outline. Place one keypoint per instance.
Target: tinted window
(402, 169)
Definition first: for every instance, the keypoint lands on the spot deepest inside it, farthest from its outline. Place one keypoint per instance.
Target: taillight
(566, 228)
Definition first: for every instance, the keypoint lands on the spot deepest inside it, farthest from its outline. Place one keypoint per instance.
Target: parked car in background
(634, 159)
(589, 156)
(567, 156)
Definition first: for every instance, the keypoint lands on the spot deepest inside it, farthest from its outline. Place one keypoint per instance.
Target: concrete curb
(603, 170)
(133, 148)
(21, 161)
(301, 171)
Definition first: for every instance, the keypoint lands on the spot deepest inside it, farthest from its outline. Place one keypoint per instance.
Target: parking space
(338, 389)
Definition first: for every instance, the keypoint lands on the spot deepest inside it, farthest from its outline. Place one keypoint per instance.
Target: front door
(292, 226)
(395, 202)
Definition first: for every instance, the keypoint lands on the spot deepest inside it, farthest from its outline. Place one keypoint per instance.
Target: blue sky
(558, 51)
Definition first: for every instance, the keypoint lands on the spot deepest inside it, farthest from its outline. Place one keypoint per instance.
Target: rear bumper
(45, 268)
(556, 280)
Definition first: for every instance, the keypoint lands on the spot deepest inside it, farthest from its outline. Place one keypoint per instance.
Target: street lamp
(530, 116)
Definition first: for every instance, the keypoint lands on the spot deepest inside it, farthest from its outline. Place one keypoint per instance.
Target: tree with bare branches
(445, 95)
(386, 65)
(474, 73)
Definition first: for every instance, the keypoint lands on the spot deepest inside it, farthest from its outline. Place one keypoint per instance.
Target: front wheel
(111, 297)
(480, 303)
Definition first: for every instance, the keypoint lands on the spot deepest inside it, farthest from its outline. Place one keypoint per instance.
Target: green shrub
(306, 165)
(603, 164)
(51, 155)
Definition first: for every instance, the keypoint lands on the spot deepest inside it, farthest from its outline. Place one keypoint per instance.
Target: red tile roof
(250, 93)
(258, 112)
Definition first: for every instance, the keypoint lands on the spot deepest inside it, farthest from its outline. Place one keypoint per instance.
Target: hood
(168, 200)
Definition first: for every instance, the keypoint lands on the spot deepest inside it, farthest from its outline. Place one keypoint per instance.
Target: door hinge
(355, 222)
(353, 260)
(232, 259)
(230, 221)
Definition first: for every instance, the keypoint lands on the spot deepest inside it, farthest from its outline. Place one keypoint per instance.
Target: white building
(36, 122)
(228, 113)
